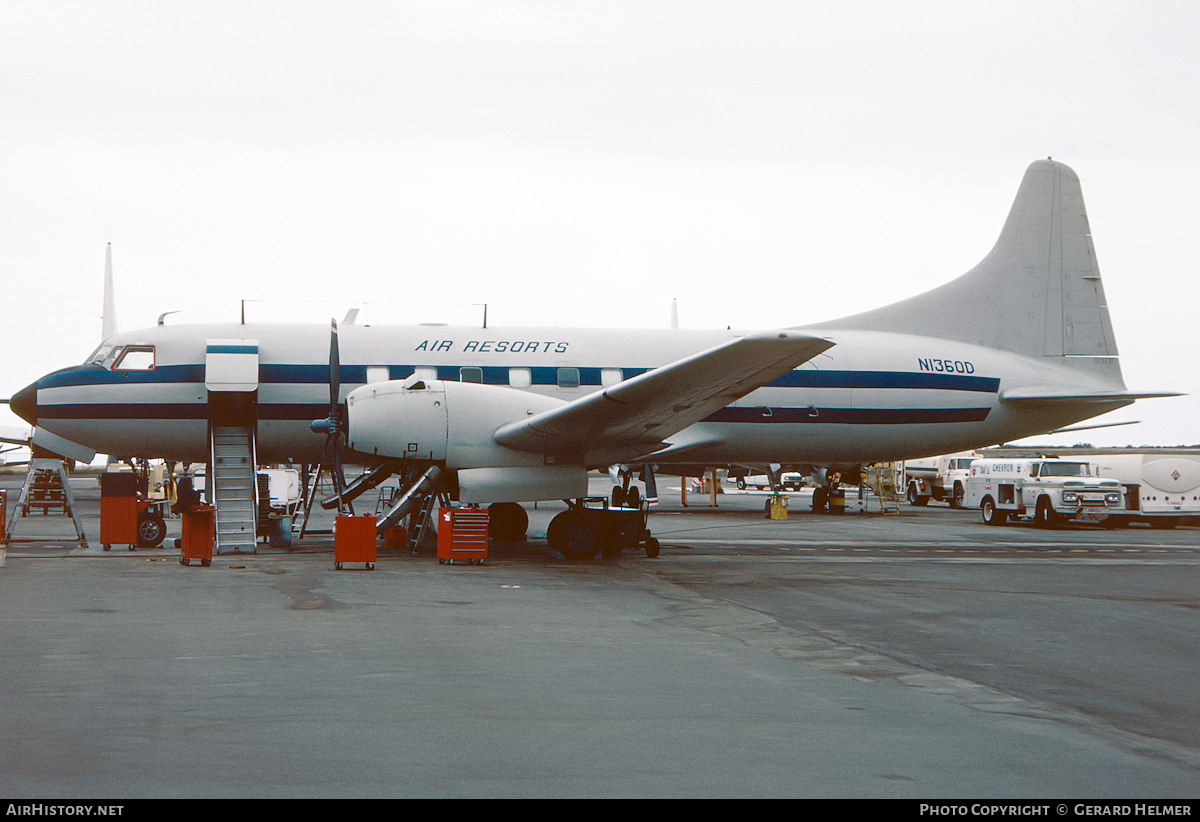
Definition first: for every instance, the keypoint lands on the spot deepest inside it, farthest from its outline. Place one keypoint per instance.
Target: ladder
(233, 487)
(46, 481)
(881, 477)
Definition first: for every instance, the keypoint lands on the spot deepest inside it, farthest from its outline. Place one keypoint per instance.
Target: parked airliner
(1020, 345)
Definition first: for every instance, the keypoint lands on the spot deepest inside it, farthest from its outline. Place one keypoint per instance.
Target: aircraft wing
(641, 412)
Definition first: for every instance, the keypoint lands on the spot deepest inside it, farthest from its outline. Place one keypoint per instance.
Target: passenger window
(378, 373)
(470, 373)
(135, 358)
(520, 377)
(568, 378)
(611, 376)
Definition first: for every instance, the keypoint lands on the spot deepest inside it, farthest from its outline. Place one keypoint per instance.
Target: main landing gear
(590, 527)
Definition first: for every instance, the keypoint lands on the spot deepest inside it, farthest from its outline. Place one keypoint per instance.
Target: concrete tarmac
(921, 655)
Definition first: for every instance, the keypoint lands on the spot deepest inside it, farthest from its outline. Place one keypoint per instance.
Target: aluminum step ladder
(233, 488)
(44, 475)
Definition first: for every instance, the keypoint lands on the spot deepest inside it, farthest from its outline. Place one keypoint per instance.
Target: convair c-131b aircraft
(1023, 346)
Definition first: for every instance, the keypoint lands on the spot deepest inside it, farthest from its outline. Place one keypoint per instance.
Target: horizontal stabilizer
(1039, 396)
(640, 413)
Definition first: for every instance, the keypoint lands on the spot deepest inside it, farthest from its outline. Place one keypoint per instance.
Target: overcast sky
(584, 163)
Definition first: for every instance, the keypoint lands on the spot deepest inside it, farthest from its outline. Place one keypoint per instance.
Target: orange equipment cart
(198, 532)
(462, 535)
(118, 509)
(354, 540)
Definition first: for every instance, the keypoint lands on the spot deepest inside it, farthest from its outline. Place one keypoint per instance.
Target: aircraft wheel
(820, 499)
(507, 522)
(652, 548)
(576, 534)
(741, 483)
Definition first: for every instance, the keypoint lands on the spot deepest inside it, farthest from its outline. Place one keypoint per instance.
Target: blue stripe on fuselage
(498, 375)
(541, 376)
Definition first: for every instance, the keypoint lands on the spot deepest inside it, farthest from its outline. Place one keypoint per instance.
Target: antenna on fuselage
(674, 313)
(108, 315)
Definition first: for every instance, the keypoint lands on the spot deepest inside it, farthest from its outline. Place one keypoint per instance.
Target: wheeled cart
(354, 541)
(196, 540)
(126, 518)
(462, 536)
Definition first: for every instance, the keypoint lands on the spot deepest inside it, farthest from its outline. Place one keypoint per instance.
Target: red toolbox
(118, 509)
(197, 534)
(462, 535)
(354, 540)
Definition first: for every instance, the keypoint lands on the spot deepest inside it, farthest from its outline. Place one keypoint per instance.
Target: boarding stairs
(233, 487)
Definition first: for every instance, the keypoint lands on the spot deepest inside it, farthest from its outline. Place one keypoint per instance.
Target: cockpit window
(103, 355)
(135, 358)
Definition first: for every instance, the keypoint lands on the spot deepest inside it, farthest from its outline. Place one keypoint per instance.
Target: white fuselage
(873, 396)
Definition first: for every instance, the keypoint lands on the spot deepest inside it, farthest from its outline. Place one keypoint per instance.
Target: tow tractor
(591, 526)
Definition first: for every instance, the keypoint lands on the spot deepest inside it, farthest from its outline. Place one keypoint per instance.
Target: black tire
(507, 522)
(1044, 516)
(914, 498)
(990, 515)
(652, 548)
(956, 501)
(151, 530)
(740, 483)
(577, 535)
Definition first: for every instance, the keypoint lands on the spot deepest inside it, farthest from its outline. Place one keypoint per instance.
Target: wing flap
(645, 410)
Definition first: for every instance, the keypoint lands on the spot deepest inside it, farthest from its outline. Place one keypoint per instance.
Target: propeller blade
(331, 426)
(335, 368)
(651, 484)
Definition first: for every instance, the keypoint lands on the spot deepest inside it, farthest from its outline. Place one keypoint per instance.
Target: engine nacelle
(441, 421)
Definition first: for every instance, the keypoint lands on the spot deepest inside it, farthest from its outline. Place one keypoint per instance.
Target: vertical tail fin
(108, 317)
(1038, 291)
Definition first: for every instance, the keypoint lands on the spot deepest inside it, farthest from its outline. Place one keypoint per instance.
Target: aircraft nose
(24, 403)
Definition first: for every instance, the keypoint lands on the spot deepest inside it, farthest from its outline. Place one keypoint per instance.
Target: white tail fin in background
(108, 317)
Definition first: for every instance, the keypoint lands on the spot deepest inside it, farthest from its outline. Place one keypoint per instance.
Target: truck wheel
(914, 497)
(957, 500)
(1044, 516)
(990, 515)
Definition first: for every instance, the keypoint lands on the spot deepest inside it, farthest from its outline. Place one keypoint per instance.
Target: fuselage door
(231, 365)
